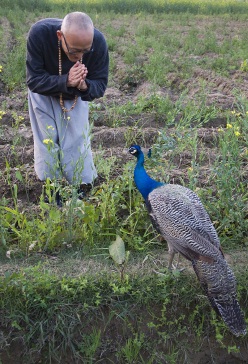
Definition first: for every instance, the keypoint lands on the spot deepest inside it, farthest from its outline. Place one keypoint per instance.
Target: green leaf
(117, 250)
(54, 215)
(19, 176)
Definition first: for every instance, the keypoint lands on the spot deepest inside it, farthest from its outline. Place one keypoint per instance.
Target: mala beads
(61, 101)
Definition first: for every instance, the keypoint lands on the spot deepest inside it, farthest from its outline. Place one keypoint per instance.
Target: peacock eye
(132, 150)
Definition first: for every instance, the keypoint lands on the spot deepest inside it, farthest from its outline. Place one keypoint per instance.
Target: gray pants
(61, 141)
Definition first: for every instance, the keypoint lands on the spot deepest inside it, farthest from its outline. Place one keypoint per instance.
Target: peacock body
(179, 216)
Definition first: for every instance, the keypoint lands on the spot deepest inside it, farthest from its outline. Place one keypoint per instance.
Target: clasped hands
(77, 76)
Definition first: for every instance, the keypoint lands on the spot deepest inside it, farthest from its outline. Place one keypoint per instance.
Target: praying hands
(77, 76)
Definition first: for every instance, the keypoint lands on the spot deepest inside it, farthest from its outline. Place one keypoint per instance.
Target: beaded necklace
(61, 101)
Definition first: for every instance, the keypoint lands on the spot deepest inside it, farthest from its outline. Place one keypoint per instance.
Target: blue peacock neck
(143, 181)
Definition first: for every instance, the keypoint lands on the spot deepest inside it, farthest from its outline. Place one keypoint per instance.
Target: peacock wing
(179, 216)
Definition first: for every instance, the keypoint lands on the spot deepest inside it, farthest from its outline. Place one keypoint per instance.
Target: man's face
(76, 43)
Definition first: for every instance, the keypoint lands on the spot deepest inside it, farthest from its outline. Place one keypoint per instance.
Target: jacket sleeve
(38, 79)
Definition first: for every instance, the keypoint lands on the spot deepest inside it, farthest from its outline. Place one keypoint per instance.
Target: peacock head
(135, 150)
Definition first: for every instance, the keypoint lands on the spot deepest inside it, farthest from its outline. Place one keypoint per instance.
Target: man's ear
(59, 34)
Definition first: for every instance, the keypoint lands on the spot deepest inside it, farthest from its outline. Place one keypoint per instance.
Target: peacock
(179, 216)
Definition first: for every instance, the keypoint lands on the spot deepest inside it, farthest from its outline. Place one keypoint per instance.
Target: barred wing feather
(180, 217)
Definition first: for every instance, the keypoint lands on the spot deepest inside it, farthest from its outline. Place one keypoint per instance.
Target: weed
(119, 255)
(244, 66)
(94, 111)
(89, 344)
(133, 134)
(228, 179)
(130, 352)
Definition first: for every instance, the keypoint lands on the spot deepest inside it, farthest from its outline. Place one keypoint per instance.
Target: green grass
(128, 6)
(64, 317)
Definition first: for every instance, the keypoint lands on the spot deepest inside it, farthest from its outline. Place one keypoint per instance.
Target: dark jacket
(42, 63)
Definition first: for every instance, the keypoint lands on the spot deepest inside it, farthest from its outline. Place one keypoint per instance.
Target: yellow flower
(229, 126)
(47, 141)
(50, 127)
(1, 68)
(68, 118)
(220, 130)
(237, 133)
(190, 169)
(233, 112)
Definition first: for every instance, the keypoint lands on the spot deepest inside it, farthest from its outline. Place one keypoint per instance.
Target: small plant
(89, 345)
(94, 109)
(244, 66)
(119, 255)
(131, 351)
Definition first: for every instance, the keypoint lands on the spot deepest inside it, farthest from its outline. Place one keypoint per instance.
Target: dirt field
(16, 144)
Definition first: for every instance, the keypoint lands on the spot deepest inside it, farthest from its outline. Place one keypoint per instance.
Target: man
(67, 66)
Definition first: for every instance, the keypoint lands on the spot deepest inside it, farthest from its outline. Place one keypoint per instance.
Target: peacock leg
(171, 257)
(172, 253)
(178, 260)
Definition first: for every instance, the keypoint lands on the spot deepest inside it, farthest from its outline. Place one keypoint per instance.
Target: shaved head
(77, 21)
(76, 35)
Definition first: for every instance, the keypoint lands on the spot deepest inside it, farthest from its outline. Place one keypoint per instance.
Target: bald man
(67, 66)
